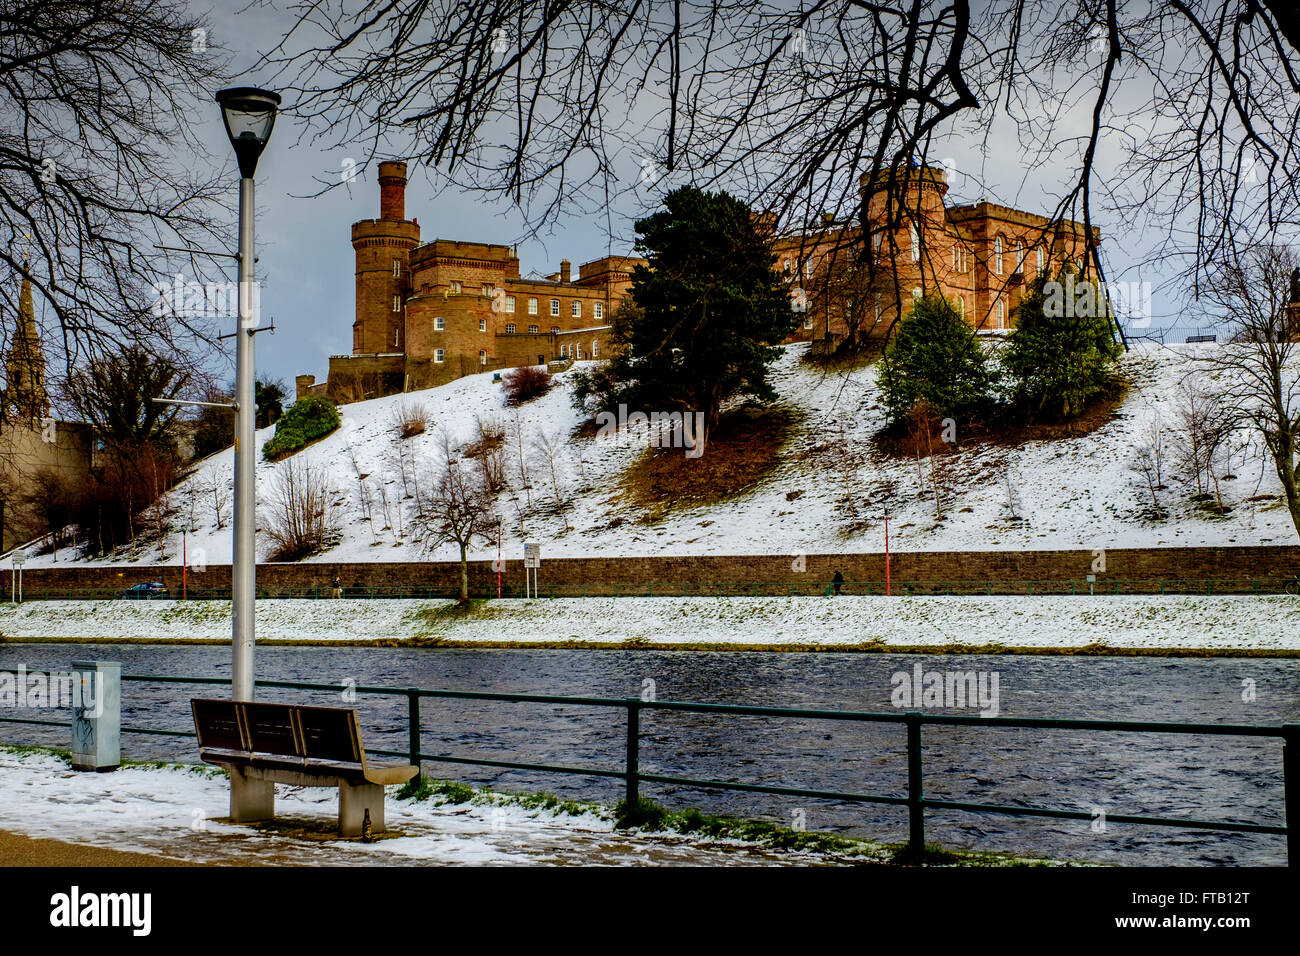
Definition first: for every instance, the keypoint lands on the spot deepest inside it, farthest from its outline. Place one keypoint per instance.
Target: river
(1221, 778)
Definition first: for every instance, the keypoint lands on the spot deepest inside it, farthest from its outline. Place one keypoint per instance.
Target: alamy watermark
(654, 430)
(1070, 299)
(189, 299)
(54, 689)
(923, 688)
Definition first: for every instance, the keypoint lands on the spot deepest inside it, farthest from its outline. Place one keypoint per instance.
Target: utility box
(96, 715)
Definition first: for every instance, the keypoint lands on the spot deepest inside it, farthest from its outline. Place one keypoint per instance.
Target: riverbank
(1173, 625)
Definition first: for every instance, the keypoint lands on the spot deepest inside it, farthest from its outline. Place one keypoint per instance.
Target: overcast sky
(306, 259)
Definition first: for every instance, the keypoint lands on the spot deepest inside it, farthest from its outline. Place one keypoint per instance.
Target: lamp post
(249, 115)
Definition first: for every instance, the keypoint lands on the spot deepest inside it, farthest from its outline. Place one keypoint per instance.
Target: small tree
(934, 357)
(1060, 355)
(525, 383)
(456, 508)
(308, 419)
(297, 516)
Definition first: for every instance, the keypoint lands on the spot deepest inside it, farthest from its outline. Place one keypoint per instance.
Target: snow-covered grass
(1152, 623)
(1067, 493)
(177, 811)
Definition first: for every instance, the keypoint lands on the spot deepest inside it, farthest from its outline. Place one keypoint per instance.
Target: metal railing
(914, 800)
(812, 588)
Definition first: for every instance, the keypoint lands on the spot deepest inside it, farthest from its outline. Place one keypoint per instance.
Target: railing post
(413, 725)
(633, 754)
(915, 811)
(1291, 790)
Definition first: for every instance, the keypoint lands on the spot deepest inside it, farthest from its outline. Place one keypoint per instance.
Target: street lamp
(249, 115)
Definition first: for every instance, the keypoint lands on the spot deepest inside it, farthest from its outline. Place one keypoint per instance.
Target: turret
(383, 249)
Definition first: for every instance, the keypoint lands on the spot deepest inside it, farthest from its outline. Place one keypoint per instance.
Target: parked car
(145, 591)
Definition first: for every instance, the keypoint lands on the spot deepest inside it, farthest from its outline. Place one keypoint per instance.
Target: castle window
(437, 355)
(1002, 315)
(555, 329)
(510, 329)
(997, 255)
(577, 309)
(600, 310)
(555, 307)
(455, 287)
(807, 268)
(397, 267)
(961, 306)
(786, 267)
(482, 325)
(396, 333)
(1020, 257)
(485, 289)
(532, 306)
(916, 292)
(916, 242)
(577, 352)
(510, 303)
(875, 300)
(439, 324)
(877, 240)
(532, 330)
(1038, 253)
(564, 351)
(595, 348)
(482, 356)
(807, 322)
(397, 303)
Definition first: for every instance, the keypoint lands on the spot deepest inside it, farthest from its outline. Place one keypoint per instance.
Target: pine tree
(934, 357)
(1059, 357)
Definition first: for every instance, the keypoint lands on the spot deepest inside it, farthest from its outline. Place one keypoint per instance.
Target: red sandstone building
(428, 314)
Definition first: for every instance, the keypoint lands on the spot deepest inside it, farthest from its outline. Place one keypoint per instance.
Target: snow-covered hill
(1079, 492)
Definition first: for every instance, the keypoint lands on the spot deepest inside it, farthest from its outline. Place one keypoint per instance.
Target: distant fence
(666, 589)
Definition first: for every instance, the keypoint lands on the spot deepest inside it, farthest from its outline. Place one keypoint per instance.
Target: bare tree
(1148, 459)
(363, 492)
(456, 509)
(1260, 367)
(550, 449)
(297, 515)
(488, 451)
(1204, 423)
(554, 104)
(100, 159)
(520, 446)
(221, 493)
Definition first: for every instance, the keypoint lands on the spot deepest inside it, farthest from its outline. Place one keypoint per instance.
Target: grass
(743, 449)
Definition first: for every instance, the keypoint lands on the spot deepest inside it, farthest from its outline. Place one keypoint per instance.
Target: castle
(428, 314)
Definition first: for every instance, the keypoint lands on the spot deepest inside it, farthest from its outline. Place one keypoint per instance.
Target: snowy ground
(1139, 621)
(173, 812)
(1069, 493)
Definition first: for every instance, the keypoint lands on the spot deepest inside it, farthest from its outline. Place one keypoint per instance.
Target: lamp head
(249, 115)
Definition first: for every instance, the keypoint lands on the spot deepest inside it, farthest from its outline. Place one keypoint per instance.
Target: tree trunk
(464, 576)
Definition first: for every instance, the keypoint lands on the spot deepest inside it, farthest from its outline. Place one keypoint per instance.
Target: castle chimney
(392, 191)
(564, 270)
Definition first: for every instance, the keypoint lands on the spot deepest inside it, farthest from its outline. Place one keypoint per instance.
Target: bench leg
(354, 800)
(250, 800)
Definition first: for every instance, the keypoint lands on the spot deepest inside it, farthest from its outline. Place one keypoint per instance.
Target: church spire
(25, 397)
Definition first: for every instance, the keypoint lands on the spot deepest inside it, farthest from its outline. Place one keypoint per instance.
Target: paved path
(19, 850)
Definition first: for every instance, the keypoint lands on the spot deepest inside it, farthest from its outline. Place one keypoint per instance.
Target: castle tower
(911, 212)
(383, 249)
(25, 397)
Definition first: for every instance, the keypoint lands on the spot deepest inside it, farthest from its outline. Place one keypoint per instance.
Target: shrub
(306, 420)
(524, 383)
(934, 357)
(410, 419)
(297, 515)
(1058, 361)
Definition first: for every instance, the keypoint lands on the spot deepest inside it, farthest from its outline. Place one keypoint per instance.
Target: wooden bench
(263, 744)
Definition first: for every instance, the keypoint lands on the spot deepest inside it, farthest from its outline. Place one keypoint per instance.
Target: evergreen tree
(1059, 357)
(934, 357)
(709, 310)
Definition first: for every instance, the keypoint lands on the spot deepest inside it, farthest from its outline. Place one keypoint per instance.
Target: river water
(1235, 779)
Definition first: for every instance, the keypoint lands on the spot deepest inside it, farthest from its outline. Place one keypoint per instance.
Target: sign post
(16, 579)
(532, 561)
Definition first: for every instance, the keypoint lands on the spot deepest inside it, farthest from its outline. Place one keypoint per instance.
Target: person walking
(837, 582)
(338, 587)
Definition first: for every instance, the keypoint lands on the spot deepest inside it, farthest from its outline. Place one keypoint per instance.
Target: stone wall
(1128, 570)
